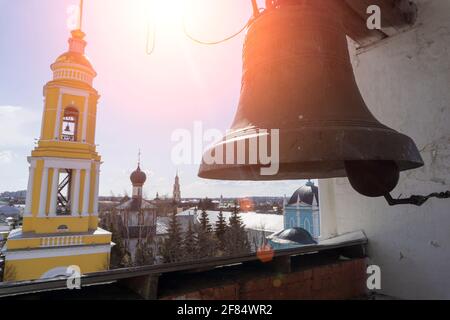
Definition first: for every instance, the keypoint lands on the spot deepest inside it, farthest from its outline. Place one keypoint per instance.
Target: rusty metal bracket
(416, 200)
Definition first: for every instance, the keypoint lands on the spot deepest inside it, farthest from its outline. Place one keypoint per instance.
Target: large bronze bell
(298, 78)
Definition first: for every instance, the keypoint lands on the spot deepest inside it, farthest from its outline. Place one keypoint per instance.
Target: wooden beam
(145, 286)
(396, 16)
(355, 26)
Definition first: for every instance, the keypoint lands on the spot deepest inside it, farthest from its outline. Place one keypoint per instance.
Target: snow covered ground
(252, 220)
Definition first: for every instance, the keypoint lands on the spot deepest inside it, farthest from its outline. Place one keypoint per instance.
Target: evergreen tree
(171, 249)
(236, 236)
(220, 230)
(204, 222)
(207, 245)
(120, 256)
(144, 252)
(190, 243)
(206, 241)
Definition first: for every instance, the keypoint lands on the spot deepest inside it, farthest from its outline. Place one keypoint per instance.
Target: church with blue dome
(301, 219)
(302, 210)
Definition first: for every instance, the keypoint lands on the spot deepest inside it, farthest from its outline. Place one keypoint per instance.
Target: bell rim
(338, 145)
(240, 173)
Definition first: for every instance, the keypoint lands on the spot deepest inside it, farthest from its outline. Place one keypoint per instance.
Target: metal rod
(255, 8)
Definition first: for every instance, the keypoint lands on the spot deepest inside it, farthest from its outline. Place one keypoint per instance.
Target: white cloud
(18, 126)
(6, 156)
(214, 188)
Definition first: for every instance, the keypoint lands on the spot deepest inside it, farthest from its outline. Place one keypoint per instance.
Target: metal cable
(256, 12)
(214, 42)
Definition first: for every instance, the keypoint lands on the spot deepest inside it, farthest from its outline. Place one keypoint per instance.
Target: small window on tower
(70, 124)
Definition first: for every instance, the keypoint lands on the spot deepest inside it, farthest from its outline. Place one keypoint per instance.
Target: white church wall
(405, 81)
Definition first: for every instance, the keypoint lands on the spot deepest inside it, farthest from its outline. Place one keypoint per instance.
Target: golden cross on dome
(139, 157)
(81, 14)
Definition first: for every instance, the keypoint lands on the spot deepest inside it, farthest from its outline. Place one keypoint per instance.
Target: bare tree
(258, 237)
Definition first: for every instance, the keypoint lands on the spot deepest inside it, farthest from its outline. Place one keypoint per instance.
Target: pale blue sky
(143, 98)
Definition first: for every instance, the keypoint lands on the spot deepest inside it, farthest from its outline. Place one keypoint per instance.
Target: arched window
(307, 225)
(64, 192)
(292, 223)
(70, 124)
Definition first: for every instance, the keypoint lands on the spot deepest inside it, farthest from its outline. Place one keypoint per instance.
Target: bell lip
(252, 172)
(325, 151)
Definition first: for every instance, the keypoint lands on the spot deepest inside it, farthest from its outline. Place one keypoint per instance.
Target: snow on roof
(9, 211)
(188, 212)
(251, 220)
(133, 204)
(162, 223)
(16, 233)
(161, 227)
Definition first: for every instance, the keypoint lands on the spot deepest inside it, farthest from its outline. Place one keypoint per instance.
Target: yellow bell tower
(60, 224)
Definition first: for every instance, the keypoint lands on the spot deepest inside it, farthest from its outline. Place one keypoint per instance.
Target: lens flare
(265, 253)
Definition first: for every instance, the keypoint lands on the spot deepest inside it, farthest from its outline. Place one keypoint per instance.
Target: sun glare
(207, 20)
(166, 12)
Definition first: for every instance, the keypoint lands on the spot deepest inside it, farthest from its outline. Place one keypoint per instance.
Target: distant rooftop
(9, 211)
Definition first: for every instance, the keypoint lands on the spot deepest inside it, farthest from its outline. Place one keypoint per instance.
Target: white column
(85, 118)
(86, 192)
(43, 195)
(97, 183)
(316, 222)
(58, 116)
(43, 115)
(54, 195)
(327, 207)
(75, 192)
(29, 199)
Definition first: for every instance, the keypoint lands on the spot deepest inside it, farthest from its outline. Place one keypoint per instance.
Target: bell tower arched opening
(70, 124)
(64, 193)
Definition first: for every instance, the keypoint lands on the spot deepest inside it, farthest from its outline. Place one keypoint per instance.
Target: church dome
(73, 65)
(138, 177)
(74, 58)
(298, 235)
(75, 54)
(307, 194)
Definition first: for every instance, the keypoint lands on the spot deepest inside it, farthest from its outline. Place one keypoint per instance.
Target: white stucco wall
(406, 84)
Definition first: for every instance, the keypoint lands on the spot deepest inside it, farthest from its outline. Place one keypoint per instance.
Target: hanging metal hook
(150, 47)
(416, 200)
(256, 11)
